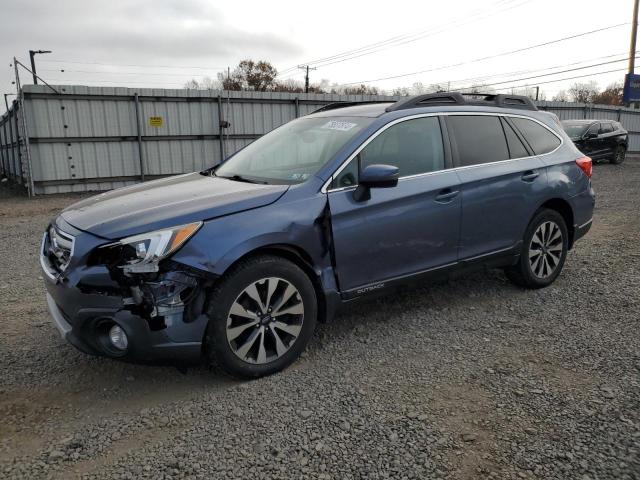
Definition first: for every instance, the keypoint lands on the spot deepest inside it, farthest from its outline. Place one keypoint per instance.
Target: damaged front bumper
(86, 300)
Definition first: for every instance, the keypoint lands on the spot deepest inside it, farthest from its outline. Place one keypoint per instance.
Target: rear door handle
(530, 176)
(446, 195)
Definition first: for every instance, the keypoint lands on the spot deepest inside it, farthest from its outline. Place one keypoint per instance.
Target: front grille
(58, 249)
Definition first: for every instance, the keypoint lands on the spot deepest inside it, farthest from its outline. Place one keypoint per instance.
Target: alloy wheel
(545, 249)
(265, 320)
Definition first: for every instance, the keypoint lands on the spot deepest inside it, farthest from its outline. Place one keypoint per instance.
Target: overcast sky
(164, 43)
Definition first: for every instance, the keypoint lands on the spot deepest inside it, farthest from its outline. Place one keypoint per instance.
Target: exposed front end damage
(154, 286)
(160, 313)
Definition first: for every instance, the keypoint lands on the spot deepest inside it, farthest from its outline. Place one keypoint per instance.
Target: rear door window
(595, 128)
(539, 138)
(606, 128)
(479, 139)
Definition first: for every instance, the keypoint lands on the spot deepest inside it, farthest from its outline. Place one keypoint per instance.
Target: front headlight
(152, 247)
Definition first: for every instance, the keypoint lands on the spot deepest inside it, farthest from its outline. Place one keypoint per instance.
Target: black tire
(522, 273)
(618, 155)
(231, 288)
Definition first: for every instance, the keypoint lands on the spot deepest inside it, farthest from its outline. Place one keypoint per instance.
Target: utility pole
(32, 54)
(537, 92)
(306, 77)
(634, 35)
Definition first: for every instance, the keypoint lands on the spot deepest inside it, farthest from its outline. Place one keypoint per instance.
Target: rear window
(540, 139)
(479, 139)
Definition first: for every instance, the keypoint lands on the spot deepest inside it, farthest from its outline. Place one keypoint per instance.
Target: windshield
(293, 152)
(575, 130)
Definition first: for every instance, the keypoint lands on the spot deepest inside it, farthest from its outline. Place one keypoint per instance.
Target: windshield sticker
(299, 176)
(337, 125)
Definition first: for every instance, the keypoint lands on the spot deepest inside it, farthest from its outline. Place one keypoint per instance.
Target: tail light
(586, 165)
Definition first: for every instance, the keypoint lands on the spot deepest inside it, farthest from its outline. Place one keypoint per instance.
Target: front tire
(619, 155)
(262, 314)
(544, 250)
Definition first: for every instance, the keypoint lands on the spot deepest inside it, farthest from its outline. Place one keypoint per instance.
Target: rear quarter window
(539, 138)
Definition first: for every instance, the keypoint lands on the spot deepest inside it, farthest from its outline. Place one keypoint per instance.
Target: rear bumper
(581, 230)
(583, 205)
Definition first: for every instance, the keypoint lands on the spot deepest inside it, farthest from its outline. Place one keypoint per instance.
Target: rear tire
(619, 155)
(544, 250)
(261, 314)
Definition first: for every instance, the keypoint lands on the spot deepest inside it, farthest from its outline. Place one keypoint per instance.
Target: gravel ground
(472, 378)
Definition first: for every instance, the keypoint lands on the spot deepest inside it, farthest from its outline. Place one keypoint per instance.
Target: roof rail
(458, 98)
(334, 105)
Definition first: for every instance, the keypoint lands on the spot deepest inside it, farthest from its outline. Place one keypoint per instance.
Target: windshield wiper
(240, 178)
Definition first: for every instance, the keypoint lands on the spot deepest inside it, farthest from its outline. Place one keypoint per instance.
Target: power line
(520, 72)
(489, 57)
(563, 79)
(441, 30)
(556, 73)
(407, 38)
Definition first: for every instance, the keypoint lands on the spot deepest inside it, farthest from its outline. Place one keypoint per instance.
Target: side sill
(499, 258)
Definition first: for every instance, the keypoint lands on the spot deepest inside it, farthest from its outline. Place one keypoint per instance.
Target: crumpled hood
(165, 203)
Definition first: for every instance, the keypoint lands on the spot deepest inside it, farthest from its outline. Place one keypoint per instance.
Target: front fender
(222, 241)
(300, 225)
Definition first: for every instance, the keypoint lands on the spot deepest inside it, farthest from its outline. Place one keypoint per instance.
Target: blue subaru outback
(237, 263)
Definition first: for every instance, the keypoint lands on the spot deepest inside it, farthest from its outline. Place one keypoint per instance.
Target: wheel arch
(564, 208)
(304, 261)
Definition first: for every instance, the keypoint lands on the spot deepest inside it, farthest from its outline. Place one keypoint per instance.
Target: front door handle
(530, 176)
(446, 195)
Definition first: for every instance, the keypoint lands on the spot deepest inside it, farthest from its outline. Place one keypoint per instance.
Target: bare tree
(192, 84)
(478, 88)
(206, 83)
(437, 87)
(529, 92)
(418, 88)
(583, 92)
(612, 95)
(295, 86)
(361, 89)
(400, 92)
(561, 96)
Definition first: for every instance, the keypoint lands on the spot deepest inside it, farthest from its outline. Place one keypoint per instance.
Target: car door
(607, 139)
(407, 229)
(502, 183)
(592, 143)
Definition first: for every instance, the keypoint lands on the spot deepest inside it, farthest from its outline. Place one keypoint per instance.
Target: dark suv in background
(239, 262)
(600, 139)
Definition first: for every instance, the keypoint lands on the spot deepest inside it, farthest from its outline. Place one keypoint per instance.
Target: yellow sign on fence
(156, 122)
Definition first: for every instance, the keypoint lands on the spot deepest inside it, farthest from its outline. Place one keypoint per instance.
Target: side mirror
(375, 176)
(592, 135)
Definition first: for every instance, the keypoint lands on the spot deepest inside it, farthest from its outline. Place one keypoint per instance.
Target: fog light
(118, 337)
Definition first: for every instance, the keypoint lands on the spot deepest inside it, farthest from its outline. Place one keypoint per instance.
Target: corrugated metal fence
(99, 138)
